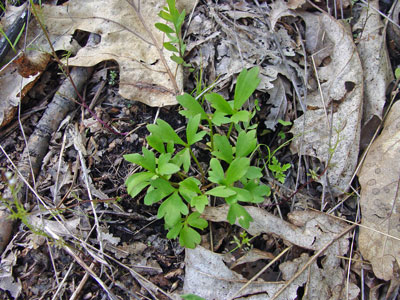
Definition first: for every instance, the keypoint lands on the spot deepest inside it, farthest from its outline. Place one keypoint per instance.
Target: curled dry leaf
(332, 120)
(379, 179)
(375, 61)
(124, 39)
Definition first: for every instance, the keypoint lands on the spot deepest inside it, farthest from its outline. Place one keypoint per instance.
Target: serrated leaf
(174, 231)
(147, 160)
(165, 167)
(156, 143)
(241, 116)
(221, 191)
(223, 148)
(219, 103)
(171, 210)
(164, 28)
(189, 237)
(253, 173)
(237, 169)
(164, 131)
(191, 130)
(236, 211)
(137, 182)
(199, 202)
(246, 84)
(216, 173)
(170, 47)
(218, 118)
(192, 105)
(182, 158)
(246, 143)
(194, 220)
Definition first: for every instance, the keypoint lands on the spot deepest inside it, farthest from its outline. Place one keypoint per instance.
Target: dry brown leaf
(375, 61)
(308, 229)
(143, 76)
(341, 79)
(379, 179)
(207, 276)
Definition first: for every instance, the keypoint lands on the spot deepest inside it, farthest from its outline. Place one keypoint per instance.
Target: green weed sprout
(175, 44)
(167, 176)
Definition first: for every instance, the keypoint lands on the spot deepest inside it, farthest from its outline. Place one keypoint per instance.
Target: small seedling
(243, 242)
(112, 77)
(278, 170)
(175, 44)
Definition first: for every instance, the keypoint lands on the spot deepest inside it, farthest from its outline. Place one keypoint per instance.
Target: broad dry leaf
(207, 276)
(341, 79)
(375, 61)
(308, 229)
(379, 178)
(143, 76)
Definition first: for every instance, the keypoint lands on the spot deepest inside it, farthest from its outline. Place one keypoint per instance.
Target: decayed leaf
(278, 101)
(342, 90)
(379, 179)
(308, 229)
(7, 281)
(375, 61)
(207, 276)
(143, 75)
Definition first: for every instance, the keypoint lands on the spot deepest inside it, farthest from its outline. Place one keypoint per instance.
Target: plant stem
(198, 164)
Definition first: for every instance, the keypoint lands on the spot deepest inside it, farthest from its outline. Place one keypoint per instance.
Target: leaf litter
(222, 39)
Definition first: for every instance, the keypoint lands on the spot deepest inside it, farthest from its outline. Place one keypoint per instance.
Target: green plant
(112, 77)
(242, 242)
(175, 44)
(278, 170)
(184, 194)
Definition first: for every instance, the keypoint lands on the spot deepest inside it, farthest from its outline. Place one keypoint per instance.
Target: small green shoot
(175, 44)
(397, 73)
(173, 177)
(112, 77)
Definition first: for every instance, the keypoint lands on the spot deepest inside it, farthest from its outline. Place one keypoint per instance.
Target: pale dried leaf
(375, 61)
(278, 100)
(308, 229)
(279, 9)
(252, 255)
(207, 276)
(143, 76)
(7, 281)
(379, 179)
(342, 90)
(66, 229)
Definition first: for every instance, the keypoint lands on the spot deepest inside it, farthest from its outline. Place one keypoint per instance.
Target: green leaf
(397, 73)
(177, 59)
(242, 195)
(170, 47)
(194, 220)
(189, 237)
(284, 123)
(237, 169)
(246, 143)
(179, 21)
(199, 202)
(165, 15)
(182, 158)
(171, 210)
(191, 130)
(258, 191)
(191, 297)
(216, 173)
(190, 184)
(174, 231)
(156, 143)
(253, 173)
(164, 28)
(218, 118)
(246, 84)
(236, 211)
(147, 161)
(164, 166)
(221, 191)
(223, 149)
(164, 131)
(192, 105)
(137, 182)
(219, 103)
(241, 116)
